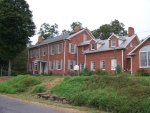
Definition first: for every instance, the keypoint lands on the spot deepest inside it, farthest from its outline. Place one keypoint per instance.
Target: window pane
(143, 58)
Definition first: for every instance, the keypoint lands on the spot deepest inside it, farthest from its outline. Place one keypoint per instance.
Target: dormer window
(92, 46)
(84, 37)
(113, 43)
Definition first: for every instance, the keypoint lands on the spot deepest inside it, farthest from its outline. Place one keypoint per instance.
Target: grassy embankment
(119, 94)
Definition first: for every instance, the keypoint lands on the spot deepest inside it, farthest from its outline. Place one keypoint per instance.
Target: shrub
(142, 72)
(118, 69)
(86, 72)
(101, 72)
(38, 88)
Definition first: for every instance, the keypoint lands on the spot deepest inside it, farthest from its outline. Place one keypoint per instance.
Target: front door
(44, 68)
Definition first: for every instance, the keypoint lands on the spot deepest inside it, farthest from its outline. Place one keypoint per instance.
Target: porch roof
(40, 60)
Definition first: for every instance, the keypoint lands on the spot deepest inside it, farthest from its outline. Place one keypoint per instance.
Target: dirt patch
(5, 78)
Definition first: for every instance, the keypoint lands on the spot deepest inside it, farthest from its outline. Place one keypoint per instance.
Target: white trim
(131, 66)
(138, 45)
(122, 62)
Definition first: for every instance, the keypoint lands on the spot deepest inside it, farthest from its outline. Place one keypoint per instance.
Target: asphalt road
(9, 105)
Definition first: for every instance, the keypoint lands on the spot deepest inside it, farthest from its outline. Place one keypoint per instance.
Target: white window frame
(72, 48)
(102, 64)
(113, 64)
(36, 67)
(52, 49)
(52, 65)
(113, 43)
(145, 50)
(92, 46)
(84, 37)
(44, 51)
(83, 48)
(82, 66)
(92, 65)
(37, 53)
(60, 48)
(58, 64)
(71, 64)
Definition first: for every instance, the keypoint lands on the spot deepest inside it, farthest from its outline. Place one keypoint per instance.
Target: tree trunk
(9, 68)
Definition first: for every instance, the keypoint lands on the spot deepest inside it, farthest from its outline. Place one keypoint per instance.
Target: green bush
(86, 72)
(118, 69)
(18, 84)
(142, 72)
(38, 88)
(120, 94)
(101, 72)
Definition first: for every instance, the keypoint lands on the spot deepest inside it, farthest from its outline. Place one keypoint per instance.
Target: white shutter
(68, 64)
(69, 47)
(75, 48)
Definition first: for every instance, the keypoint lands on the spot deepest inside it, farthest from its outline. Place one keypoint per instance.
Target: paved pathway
(9, 105)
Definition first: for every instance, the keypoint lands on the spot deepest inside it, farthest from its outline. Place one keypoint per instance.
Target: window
(145, 56)
(58, 64)
(84, 37)
(92, 46)
(31, 53)
(52, 65)
(131, 45)
(72, 48)
(83, 48)
(36, 53)
(71, 64)
(44, 51)
(92, 65)
(82, 66)
(113, 43)
(60, 48)
(52, 49)
(113, 64)
(102, 64)
(35, 66)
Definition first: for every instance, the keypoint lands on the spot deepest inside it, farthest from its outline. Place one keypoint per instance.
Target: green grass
(121, 94)
(18, 84)
(38, 89)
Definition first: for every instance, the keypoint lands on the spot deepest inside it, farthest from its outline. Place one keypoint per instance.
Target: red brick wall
(107, 56)
(135, 58)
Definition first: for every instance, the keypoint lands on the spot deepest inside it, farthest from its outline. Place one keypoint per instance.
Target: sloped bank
(110, 93)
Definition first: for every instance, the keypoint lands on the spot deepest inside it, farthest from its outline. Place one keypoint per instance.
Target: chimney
(76, 28)
(40, 39)
(130, 31)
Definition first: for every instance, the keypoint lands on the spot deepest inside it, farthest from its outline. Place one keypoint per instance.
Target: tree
(65, 31)
(76, 24)
(106, 30)
(16, 27)
(48, 31)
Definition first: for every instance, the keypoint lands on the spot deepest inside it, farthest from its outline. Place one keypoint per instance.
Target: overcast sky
(92, 14)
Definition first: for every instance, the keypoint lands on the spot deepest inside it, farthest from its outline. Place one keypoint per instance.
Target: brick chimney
(76, 28)
(40, 39)
(130, 31)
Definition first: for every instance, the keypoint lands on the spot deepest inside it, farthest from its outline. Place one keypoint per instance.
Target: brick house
(57, 55)
(60, 54)
(107, 54)
(140, 56)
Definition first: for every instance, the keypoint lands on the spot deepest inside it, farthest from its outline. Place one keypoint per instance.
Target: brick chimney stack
(76, 28)
(40, 39)
(130, 31)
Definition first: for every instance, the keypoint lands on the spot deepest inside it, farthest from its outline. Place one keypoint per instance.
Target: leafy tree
(106, 30)
(76, 24)
(48, 31)
(65, 31)
(103, 32)
(16, 27)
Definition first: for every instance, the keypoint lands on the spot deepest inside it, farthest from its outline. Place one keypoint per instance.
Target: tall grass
(119, 94)
(18, 84)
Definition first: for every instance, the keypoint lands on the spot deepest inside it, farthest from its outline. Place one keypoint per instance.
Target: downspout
(28, 62)
(85, 61)
(77, 55)
(48, 59)
(122, 62)
(131, 65)
(64, 56)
